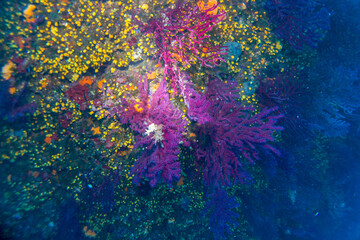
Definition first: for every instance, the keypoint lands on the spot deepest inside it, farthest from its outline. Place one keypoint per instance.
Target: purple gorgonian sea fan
(230, 140)
(181, 36)
(196, 102)
(160, 127)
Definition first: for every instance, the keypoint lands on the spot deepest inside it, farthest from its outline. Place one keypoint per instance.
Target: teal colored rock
(233, 49)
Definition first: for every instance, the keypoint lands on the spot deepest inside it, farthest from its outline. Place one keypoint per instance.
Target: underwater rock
(234, 50)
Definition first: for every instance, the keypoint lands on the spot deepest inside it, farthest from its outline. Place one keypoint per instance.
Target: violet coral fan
(180, 35)
(160, 126)
(222, 215)
(233, 135)
(196, 103)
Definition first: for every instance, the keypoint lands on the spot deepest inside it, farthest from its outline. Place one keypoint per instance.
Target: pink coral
(160, 126)
(233, 135)
(181, 35)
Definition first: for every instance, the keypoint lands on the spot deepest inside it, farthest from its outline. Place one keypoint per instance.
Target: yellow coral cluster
(249, 27)
(86, 36)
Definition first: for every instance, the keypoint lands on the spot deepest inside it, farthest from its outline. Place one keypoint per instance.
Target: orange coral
(130, 87)
(44, 82)
(48, 139)
(86, 80)
(95, 130)
(12, 90)
(210, 4)
(29, 12)
(138, 109)
(7, 70)
(176, 57)
(89, 232)
(100, 83)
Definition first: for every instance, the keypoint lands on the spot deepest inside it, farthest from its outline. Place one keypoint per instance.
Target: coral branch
(180, 35)
(161, 128)
(234, 130)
